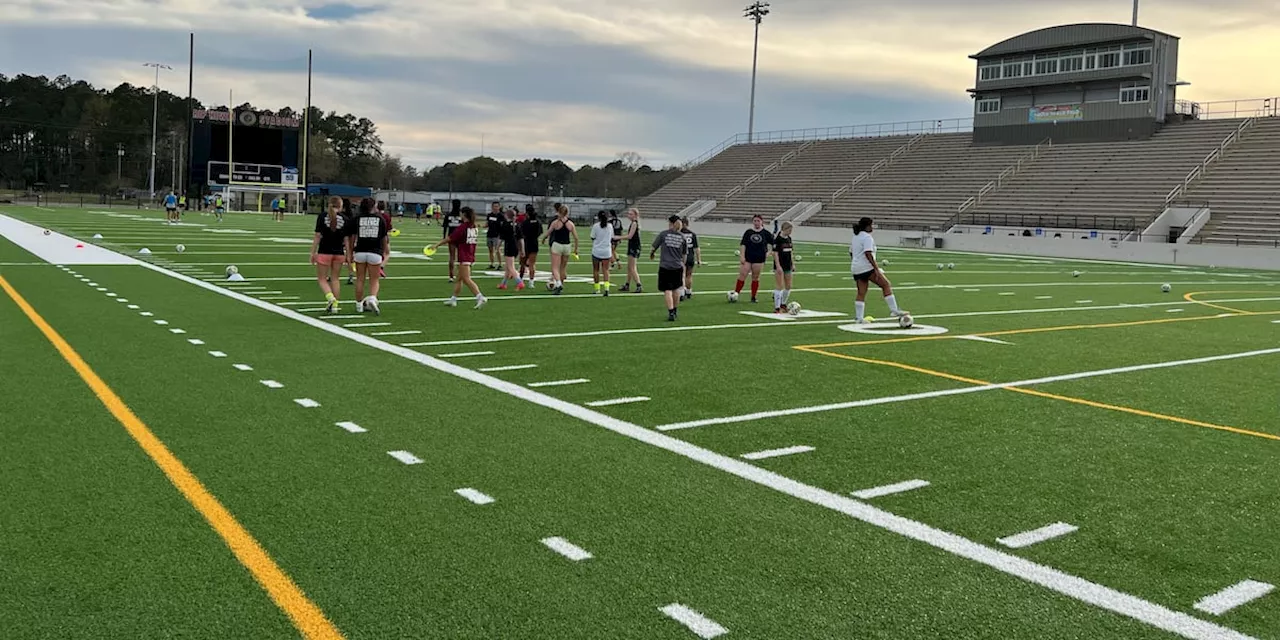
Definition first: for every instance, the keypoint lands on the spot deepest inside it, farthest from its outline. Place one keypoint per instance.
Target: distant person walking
(451, 222)
(464, 238)
(633, 252)
(530, 235)
(564, 243)
(674, 248)
(329, 249)
(372, 245)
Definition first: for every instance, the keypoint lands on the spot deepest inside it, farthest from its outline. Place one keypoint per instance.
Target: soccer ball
(885, 262)
(47, 232)
(733, 296)
(1075, 274)
(794, 308)
(1166, 288)
(941, 266)
(951, 265)
(799, 258)
(232, 270)
(551, 285)
(737, 252)
(181, 248)
(817, 253)
(905, 321)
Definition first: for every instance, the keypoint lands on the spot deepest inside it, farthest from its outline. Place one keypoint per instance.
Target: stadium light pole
(1135, 13)
(155, 114)
(756, 12)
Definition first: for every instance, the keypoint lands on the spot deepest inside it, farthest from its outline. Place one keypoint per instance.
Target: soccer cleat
(639, 289)
(451, 302)
(557, 291)
(780, 310)
(606, 293)
(450, 279)
(331, 307)
(520, 286)
(626, 288)
(899, 313)
(359, 306)
(371, 303)
(671, 316)
(754, 301)
(502, 287)
(481, 301)
(351, 279)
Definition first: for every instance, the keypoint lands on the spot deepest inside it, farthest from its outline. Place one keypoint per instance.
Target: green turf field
(771, 477)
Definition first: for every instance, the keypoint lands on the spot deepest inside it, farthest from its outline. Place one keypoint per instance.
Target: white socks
(892, 301)
(786, 296)
(860, 311)
(777, 298)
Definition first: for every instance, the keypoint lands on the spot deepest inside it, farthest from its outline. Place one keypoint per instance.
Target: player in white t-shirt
(865, 271)
(602, 235)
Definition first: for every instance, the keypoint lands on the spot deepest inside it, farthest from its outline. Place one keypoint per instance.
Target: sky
(584, 80)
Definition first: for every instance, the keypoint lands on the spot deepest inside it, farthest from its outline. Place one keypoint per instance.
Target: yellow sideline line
(1043, 394)
(306, 616)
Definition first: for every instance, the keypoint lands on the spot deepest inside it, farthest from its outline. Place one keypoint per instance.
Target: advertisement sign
(1056, 113)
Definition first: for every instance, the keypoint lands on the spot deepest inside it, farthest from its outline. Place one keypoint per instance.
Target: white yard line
(271, 384)
(776, 453)
(195, 341)
(617, 401)
(242, 367)
(983, 339)
(1036, 536)
(1234, 596)
(362, 325)
(797, 323)
(890, 489)
(700, 625)
(351, 427)
(469, 354)
(763, 415)
(512, 367)
(405, 457)
(177, 332)
(383, 334)
(476, 497)
(1073, 587)
(217, 354)
(567, 549)
(306, 403)
(558, 383)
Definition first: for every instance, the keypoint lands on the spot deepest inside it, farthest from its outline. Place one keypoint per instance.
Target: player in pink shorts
(329, 249)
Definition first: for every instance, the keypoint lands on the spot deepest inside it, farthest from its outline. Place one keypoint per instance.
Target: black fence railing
(1100, 223)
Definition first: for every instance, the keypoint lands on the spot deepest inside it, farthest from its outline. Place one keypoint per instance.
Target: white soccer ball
(97, 236)
(180, 248)
(1075, 274)
(817, 253)
(551, 285)
(905, 321)
(144, 251)
(794, 308)
(1166, 288)
(951, 265)
(232, 270)
(885, 262)
(47, 232)
(941, 266)
(1213, 266)
(737, 252)
(733, 296)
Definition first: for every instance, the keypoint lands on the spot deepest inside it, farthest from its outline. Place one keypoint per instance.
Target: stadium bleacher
(1243, 190)
(1120, 185)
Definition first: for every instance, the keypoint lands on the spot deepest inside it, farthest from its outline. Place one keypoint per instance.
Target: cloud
(586, 79)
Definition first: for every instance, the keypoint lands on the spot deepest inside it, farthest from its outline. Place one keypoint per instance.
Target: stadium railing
(909, 128)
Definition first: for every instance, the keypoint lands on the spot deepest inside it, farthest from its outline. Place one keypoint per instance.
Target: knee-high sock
(860, 310)
(786, 296)
(738, 287)
(755, 288)
(892, 302)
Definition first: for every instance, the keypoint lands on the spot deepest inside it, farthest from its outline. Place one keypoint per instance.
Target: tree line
(66, 135)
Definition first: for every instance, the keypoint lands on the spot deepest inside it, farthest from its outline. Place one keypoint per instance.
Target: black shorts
(633, 253)
(670, 279)
(864, 277)
(511, 252)
(752, 260)
(690, 264)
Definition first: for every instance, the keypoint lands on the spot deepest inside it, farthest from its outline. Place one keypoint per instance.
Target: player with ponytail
(329, 249)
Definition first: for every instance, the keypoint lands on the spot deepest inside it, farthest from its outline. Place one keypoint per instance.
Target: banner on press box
(1056, 113)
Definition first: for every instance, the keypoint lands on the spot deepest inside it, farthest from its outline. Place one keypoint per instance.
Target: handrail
(866, 175)
(1005, 175)
(1202, 167)
(878, 130)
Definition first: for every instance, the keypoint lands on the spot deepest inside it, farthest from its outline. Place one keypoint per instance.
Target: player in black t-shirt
(493, 231)
(530, 230)
(617, 235)
(754, 250)
(509, 234)
(329, 249)
(783, 265)
(451, 222)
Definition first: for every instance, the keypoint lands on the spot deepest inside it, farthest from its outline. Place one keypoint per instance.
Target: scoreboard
(266, 149)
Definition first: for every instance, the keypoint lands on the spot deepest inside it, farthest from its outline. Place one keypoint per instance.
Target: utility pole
(155, 114)
(1135, 13)
(173, 166)
(119, 160)
(756, 12)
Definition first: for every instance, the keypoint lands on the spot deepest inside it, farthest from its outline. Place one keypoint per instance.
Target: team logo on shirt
(471, 235)
(757, 238)
(369, 227)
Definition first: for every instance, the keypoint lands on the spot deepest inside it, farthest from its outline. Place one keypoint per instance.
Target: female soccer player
(329, 249)
(601, 252)
(865, 270)
(633, 252)
(671, 267)
(692, 259)
(451, 222)
(754, 250)
(464, 240)
(371, 248)
(783, 265)
(509, 234)
(564, 243)
(530, 233)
